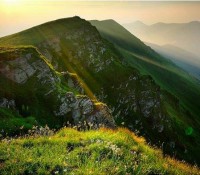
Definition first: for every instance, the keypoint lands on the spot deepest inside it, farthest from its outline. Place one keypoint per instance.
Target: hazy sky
(16, 15)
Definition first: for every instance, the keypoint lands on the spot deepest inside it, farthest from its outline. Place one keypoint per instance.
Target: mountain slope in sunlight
(73, 46)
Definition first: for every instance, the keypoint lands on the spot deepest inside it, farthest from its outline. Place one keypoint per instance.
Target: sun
(11, 1)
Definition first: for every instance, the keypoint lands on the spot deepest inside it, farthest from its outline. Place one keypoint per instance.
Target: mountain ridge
(134, 99)
(183, 35)
(157, 23)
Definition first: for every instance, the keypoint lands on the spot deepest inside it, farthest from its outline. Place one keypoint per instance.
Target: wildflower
(99, 141)
(22, 127)
(133, 152)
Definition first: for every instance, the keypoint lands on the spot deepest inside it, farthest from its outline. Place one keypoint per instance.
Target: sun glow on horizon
(11, 1)
(17, 15)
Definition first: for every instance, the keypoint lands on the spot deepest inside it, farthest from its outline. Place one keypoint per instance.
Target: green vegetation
(148, 62)
(122, 76)
(182, 85)
(42, 32)
(11, 122)
(90, 152)
(183, 108)
(116, 34)
(32, 105)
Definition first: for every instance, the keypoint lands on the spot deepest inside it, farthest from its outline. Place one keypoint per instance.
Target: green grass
(96, 152)
(11, 122)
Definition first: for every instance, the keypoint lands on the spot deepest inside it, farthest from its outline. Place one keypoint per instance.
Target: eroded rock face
(18, 70)
(29, 70)
(73, 82)
(23, 68)
(5, 103)
(101, 116)
(137, 95)
(83, 109)
(83, 42)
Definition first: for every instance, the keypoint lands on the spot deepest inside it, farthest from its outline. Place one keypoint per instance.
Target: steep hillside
(135, 100)
(183, 35)
(32, 92)
(115, 33)
(98, 152)
(170, 77)
(160, 68)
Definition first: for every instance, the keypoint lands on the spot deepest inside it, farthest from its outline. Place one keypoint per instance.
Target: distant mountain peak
(105, 21)
(136, 23)
(194, 22)
(139, 22)
(176, 23)
(163, 24)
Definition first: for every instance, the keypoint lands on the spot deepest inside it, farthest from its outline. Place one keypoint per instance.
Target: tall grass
(102, 151)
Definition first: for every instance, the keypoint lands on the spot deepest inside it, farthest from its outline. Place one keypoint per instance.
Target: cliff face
(27, 72)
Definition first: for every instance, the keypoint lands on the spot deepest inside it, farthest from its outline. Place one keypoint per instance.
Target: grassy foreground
(96, 152)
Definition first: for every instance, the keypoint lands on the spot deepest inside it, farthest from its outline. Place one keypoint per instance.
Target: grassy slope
(91, 152)
(142, 57)
(42, 32)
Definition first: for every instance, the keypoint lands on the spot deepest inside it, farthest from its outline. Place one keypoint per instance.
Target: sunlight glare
(11, 1)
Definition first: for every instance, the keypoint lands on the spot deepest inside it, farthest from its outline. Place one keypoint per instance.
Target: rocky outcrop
(18, 70)
(83, 109)
(21, 69)
(33, 71)
(73, 81)
(6, 103)
(83, 42)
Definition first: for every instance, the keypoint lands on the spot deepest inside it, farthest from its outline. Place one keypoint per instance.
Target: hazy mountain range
(182, 35)
(184, 59)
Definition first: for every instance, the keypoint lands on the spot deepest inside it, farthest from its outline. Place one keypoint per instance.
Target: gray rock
(86, 105)
(5, 103)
